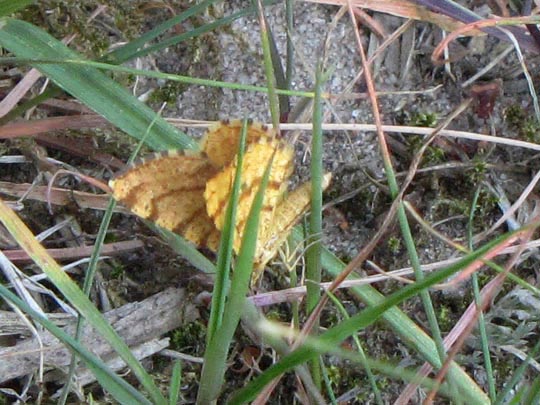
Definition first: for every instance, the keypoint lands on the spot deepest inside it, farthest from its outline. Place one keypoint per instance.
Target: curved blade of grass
(136, 47)
(109, 380)
(273, 100)
(8, 7)
(90, 86)
(223, 265)
(88, 282)
(289, 13)
(133, 49)
(176, 383)
(401, 324)
(76, 297)
(92, 267)
(518, 375)
(124, 53)
(532, 395)
(277, 67)
(484, 339)
(392, 370)
(185, 249)
(149, 73)
(313, 253)
(216, 352)
(314, 250)
(362, 358)
(138, 50)
(348, 327)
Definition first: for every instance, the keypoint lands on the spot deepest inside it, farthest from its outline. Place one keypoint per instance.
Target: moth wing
(256, 158)
(222, 140)
(168, 189)
(287, 214)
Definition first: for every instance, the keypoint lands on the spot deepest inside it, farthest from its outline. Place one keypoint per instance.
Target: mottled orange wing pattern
(222, 140)
(256, 158)
(187, 192)
(168, 189)
(288, 212)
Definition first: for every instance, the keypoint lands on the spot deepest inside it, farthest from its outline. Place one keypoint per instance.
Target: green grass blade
(176, 383)
(279, 73)
(116, 386)
(313, 253)
(533, 393)
(517, 377)
(216, 353)
(153, 74)
(363, 360)
(88, 282)
(136, 48)
(185, 249)
(75, 296)
(273, 99)
(404, 327)
(223, 265)
(192, 33)
(289, 12)
(349, 326)
(8, 7)
(90, 86)
(92, 267)
(484, 339)
(317, 345)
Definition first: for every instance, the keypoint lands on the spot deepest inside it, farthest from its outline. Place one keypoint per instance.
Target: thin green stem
(217, 349)
(273, 100)
(313, 253)
(223, 265)
(402, 217)
(477, 299)
(362, 355)
(148, 73)
(93, 267)
(289, 62)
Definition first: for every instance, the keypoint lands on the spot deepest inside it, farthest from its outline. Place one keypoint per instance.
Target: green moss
(117, 269)
(422, 119)
(168, 93)
(514, 115)
(275, 315)
(342, 378)
(485, 206)
(414, 143)
(449, 310)
(484, 278)
(189, 338)
(478, 173)
(527, 126)
(4, 149)
(530, 130)
(434, 155)
(503, 366)
(444, 318)
(334, 375)
(331, 316)
(394, 245)
(65, 18)
(92, 38)
(446, 207)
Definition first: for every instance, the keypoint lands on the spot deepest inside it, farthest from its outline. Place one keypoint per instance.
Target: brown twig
(62, 254)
